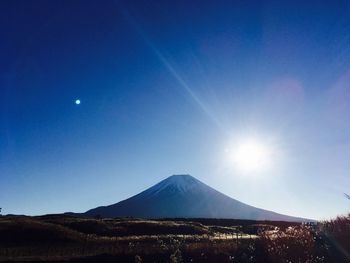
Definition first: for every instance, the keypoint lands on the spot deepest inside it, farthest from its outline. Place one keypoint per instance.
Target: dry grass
(70, 239)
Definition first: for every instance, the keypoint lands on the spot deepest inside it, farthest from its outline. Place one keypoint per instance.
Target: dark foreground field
(58, 238)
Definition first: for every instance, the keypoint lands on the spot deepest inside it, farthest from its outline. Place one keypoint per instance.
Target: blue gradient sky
(165, 87)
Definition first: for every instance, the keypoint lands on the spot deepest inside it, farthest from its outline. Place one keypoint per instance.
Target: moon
(77, 101)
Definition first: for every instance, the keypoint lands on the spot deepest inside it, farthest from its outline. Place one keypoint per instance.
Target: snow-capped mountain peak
(180, 182)
(183, 196)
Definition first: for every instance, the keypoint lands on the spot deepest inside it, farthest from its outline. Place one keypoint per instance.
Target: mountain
(183, 196)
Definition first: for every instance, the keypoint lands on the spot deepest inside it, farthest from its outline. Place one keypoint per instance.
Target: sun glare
(250, 156)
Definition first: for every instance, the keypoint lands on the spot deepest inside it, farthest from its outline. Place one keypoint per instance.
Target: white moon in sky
(77, 102)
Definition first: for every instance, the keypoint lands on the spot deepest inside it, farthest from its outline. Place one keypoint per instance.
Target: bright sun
(250, 156)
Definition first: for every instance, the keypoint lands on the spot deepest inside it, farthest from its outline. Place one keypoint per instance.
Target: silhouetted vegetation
(347, 196)
(57, 238)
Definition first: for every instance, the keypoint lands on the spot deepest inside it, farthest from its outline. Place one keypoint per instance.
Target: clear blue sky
(165, 86)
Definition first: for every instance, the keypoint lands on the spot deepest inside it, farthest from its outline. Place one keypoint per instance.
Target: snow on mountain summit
(179, 182)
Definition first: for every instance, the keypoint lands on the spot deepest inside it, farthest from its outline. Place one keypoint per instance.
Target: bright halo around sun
(250, 156)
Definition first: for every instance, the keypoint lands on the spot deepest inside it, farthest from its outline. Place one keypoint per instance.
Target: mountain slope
(183, 196)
